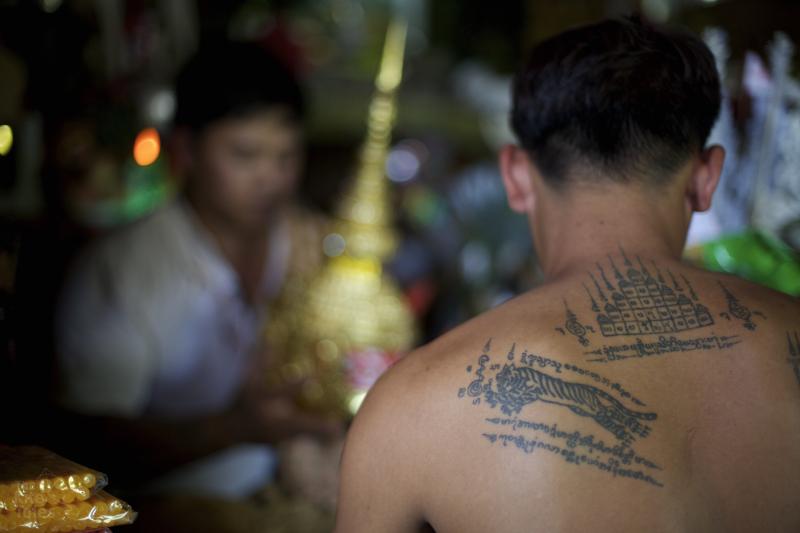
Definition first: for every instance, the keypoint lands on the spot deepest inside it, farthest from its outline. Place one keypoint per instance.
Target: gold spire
(351, 309)
(364, 214)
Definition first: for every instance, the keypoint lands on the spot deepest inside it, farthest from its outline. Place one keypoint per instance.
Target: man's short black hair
(227, 79)
(622, 99)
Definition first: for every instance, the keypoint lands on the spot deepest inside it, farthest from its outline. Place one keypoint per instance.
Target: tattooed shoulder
(510, 385)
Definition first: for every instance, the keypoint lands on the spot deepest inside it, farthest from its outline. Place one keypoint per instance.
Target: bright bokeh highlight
(146, 147)
(6, 139)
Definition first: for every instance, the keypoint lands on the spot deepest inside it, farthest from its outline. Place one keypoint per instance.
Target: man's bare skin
(630, 392)
(705, 411)
(722, 425)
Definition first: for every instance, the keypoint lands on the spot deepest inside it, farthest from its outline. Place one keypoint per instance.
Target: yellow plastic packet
(34, 477)
(98, 511)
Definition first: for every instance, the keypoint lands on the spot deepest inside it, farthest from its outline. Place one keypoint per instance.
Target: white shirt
(152, 322)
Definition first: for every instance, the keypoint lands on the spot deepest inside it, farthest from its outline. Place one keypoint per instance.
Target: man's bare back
(629, 392)
(637, 396)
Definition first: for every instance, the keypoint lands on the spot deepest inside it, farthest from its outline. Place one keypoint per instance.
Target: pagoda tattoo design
(641, 302)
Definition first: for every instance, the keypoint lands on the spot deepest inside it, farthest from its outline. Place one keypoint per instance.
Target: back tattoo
(515, 385)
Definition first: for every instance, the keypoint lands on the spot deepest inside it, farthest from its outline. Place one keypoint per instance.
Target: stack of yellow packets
(42, 491)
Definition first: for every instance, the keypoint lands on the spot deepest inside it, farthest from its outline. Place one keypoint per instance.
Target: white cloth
(152, 323)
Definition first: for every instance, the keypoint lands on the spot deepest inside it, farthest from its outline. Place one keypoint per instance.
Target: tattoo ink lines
(519, 386)
(574, 326)
(477, 386)
(641, 303)
(573, 447)
(616, 387)
(664, 345)
(739, 311)
(794, 354)
(645, 301)
(516, 387)
(513, 386)
(533, 360)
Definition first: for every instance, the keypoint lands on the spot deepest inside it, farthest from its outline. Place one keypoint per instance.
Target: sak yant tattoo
(573, 447)
(517, 385)
(642, 302)
(794, 353)
(664, 345)
(574, 327)
(651, 306)
(739, 311)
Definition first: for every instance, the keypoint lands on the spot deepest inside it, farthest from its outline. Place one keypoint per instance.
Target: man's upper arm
(379, 468)
(105, 363)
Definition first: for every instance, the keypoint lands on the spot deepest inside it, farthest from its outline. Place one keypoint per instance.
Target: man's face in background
(246, 167)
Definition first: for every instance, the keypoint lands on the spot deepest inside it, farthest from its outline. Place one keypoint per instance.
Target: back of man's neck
(575, 236)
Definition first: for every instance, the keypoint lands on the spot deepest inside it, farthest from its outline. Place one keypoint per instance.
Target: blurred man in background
(630, 392)
(160, 323)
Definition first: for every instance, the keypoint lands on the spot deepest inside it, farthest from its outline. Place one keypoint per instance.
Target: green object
(146, 188)
(755, 256)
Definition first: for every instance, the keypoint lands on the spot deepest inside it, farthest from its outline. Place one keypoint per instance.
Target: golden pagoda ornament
(352, 321)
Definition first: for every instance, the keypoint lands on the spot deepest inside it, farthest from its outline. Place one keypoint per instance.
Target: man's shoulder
(751, 304)
(450, 409)
(527, 317)
(413, 390)
(141, 236)
(427, 387)
(142, 255)
(537, 396)
(554, 326)
(548, 347)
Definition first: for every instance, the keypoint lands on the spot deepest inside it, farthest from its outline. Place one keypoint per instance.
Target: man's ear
(515, 167)
(705, 178)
